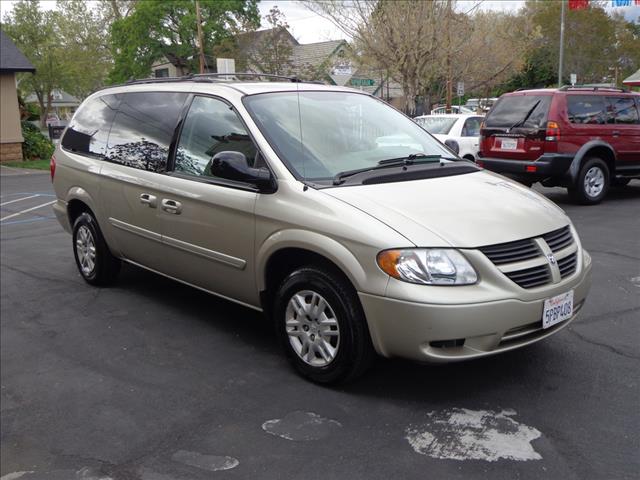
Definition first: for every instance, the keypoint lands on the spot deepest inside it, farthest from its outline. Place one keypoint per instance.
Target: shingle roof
(633, 79)
(314, 53)
(60, 99)
(12, 59)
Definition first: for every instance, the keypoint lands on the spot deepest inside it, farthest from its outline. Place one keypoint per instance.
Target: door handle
(616, 133)
(171, 206)
(147, 199)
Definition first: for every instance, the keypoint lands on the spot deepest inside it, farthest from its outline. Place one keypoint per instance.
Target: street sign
(574, 78)
(460, 89)
(362, 82)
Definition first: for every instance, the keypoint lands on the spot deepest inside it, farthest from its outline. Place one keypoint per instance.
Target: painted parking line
(40, 194)
(28, 220)
(27, 210)
(18, 200)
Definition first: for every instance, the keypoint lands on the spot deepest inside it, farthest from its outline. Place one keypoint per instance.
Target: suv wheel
(96, 263)
(592, 183)
(321, 326)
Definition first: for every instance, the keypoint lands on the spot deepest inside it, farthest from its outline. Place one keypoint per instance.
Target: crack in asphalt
(609, 348)
(38, 277)
(590, 320)
(615, 254)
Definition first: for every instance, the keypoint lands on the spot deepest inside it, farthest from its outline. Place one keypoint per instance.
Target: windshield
(513, 110)
(441, 125)
(327, 133)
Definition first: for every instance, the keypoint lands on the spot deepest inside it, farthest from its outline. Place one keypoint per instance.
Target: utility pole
(200, 36)
(561, 45)
(449, 72)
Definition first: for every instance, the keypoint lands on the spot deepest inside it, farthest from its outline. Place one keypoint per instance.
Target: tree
(271, 52)
(34, 33)
(153, 29)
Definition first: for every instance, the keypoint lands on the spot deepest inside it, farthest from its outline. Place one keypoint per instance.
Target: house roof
(314, 53)
(60, 99)
(12, 59)
(633, 80)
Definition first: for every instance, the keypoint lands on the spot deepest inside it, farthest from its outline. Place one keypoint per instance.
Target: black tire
(620, 182)
(105, 267)
(354, 353)
(579, 191)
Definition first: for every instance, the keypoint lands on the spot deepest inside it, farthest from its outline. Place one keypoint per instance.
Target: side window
(88, 131)
(471, 127)
(211, 127)
(142, 130)
(586, 109)
(623, 110)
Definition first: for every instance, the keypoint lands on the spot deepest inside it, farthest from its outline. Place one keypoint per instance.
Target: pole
(200, 36)
(561, 45)
(449, 72)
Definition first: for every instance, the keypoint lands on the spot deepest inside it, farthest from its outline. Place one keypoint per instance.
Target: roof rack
(213, 77)
(564, 88)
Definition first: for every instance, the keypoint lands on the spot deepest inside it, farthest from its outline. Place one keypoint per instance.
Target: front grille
(511, 252)
(567, 265)
(539, 268)
(559, 239)
(531, 277)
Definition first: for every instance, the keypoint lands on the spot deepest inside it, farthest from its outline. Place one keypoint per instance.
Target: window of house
(622, 110)
(88, 131)
(211, 127)
(162, 72)
(143, 128)
(586, 109)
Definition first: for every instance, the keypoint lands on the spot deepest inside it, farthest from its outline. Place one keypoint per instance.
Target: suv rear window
(519, 110)
(586, 109)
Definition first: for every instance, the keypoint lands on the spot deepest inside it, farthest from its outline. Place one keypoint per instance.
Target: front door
(208, 223)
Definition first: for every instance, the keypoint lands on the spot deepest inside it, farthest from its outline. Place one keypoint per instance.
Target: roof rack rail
(211, 77)
(565, 88)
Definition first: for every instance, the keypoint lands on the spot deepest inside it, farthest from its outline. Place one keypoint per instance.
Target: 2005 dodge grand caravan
(339, 217)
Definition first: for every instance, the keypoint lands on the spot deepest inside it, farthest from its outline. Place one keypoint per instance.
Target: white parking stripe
(26, 211)
(17, 200)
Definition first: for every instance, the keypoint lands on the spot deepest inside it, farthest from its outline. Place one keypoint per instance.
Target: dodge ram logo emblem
(552, 259)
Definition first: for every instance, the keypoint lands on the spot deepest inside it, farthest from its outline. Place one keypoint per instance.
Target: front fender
(322, 245)
(574, 168)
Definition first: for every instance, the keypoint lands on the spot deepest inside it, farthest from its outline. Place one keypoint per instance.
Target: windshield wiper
(522, 122)
(391, 162)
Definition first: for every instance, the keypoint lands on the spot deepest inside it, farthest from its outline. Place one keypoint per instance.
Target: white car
(463, 129)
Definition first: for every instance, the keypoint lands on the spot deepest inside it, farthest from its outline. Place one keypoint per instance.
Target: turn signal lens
(427, 266)
(52, 166)
(553, 132)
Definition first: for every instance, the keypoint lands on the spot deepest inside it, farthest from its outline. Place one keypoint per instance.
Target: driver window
(211, 127)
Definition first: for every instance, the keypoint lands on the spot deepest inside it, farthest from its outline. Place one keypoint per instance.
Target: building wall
(10, 130)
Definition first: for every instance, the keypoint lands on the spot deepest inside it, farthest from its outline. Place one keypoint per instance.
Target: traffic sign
(362, 82)
(460, 89)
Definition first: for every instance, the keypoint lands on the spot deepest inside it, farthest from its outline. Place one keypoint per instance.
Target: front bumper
(446, 332)
(548, 165)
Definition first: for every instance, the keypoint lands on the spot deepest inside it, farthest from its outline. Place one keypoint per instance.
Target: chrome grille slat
(511, 252)
(567, 265)
(559, 239)
(531, 277)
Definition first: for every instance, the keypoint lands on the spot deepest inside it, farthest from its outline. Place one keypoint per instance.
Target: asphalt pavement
(154, 380)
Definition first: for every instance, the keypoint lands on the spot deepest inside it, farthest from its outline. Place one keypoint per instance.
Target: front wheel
(322, 327)
(592, 183)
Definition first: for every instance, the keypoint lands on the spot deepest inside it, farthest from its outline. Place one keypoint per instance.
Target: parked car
(463, 129)
(582, 138)
(442, 110)
(279, 196)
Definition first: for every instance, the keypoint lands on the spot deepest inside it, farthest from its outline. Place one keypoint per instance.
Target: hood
(464, 211)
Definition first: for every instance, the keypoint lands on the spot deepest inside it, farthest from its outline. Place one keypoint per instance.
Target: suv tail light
(553, 132)
(52, 166)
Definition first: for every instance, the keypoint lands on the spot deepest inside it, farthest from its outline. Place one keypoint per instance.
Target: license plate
(557, 309)
(508, 143)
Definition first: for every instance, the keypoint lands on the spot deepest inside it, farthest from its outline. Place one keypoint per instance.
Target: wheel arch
(589, 149)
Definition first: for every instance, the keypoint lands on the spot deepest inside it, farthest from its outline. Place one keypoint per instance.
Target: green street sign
(362, 82)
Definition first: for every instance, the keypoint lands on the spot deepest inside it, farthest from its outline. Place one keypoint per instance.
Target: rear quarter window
(513, 110)
(586, 109)
(88, 131)
(622, 110)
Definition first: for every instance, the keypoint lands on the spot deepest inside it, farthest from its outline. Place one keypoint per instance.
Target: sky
(308, 27)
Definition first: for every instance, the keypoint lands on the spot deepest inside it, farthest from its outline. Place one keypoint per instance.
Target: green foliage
(36, 145)
(154, 29)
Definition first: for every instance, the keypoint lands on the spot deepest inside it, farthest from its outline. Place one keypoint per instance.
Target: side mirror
(453, 145)
(234, 166)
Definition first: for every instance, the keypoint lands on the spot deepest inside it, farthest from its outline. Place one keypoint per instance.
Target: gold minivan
(337, 216)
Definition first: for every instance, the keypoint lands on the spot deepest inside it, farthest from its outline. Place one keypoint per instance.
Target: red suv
(581, 138)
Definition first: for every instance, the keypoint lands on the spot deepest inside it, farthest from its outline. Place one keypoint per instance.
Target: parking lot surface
(151, 379)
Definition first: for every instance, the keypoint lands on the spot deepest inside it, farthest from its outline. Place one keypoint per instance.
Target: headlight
(428, 266)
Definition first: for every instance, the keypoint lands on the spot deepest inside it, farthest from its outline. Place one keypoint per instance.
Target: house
(169, 65)
(63, 104)
(633, 80)
(11, 61)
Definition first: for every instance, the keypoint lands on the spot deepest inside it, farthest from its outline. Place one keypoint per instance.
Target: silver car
(337, 216)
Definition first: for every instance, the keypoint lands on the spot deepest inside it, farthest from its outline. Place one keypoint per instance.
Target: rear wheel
(95, 261)
(321, 326)
(592, 183)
